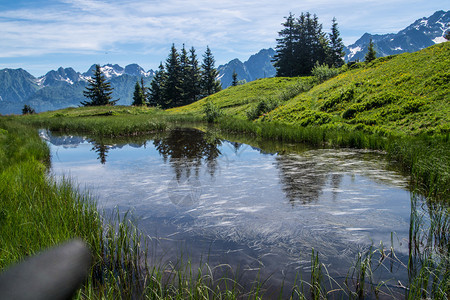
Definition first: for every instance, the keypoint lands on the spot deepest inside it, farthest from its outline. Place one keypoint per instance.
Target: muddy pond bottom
(220, 202)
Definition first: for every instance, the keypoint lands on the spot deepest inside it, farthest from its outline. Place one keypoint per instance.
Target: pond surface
(230, 203)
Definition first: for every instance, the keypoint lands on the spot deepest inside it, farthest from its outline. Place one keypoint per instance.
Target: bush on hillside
(263, 106)
(212, 112)
(323, 72)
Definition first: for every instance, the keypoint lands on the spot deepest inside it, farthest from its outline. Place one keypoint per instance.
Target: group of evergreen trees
(181, 80)
(303, 44)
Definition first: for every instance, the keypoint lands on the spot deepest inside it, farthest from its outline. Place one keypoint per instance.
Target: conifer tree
(28, 110)
(138, 95)
(371, 53)
(234, 76)
(184, 74)
(284, 59)
(336, 49)
(301, 46)
(193, 79)
(98, 90)
(173, 91)
(157, 86)
(310, 47)
(209, 82)
(145, 90)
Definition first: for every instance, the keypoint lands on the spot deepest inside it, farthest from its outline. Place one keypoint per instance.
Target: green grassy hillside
(237, 100)
(407, 93)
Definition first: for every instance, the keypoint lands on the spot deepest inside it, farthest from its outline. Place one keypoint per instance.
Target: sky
(43, 35)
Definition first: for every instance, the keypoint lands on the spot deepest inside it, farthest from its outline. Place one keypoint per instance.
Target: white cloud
(233, 27)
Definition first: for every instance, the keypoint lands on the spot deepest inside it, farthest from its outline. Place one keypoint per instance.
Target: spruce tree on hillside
(98, 90)
(138, 95)
(234, 76)
(310, 48)
(184, 74)
(28, 110)
(209, 82)
(157, 86)
(145, 90)
(336, 51)
(301, 46)
(371, 54)
(192, 81)
(173, 90)
(284, 59)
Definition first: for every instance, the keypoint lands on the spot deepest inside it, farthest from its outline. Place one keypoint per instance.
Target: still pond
(260, 211)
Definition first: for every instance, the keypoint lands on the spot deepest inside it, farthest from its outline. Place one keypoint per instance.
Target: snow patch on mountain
(353, 51)
(422, 33)
(439, 39)
(112, 70)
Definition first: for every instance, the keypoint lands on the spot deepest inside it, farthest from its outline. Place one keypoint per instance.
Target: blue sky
(39, 36)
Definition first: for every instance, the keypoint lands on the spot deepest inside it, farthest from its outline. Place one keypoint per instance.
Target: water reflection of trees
(102, 151)
(186, 149)
(304, 178)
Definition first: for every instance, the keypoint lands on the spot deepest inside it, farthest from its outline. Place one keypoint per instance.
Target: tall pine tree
(336, 50)
(310, 47)
(371, 53)
(303, 44)
(209, 82)
(98, 90)
(173, 87)
(234, 76)
(157, 87)
(139, 94)
(193, 79)
(284, 58)
(184, 74)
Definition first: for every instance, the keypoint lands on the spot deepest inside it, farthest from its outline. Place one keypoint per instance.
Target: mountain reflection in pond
(238, 205)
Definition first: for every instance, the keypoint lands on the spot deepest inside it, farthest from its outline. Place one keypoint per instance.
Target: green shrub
(323, 72)
(345, 95)
(310, 117)
(349, 113)
(212, 112)
(264, 105)
(294, 90)
(412, 106)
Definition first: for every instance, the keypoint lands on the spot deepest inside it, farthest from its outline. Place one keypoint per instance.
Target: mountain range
(257, 66)
(64, 87)
(422, 33)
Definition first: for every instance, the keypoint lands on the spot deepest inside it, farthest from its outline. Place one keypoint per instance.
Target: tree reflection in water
(102, 151)
(186, 149)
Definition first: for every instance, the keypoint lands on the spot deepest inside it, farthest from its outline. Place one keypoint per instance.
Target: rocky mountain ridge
(421, 34)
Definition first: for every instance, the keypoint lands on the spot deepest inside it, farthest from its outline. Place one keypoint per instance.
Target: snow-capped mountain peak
(67, 75)
(112, 71)
(422, 33)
